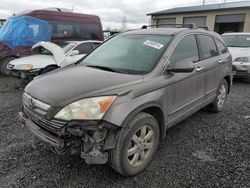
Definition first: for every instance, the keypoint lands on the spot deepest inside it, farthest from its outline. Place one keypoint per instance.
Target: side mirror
(73, 53)
(181, 67)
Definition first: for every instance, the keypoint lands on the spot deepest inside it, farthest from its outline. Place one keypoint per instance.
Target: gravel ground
(205, 150)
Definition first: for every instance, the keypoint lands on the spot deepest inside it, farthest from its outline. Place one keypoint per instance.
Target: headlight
(24, 67)
(242, 59)
(86, 109)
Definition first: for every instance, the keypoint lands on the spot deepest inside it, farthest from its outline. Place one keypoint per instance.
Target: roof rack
(190, 26)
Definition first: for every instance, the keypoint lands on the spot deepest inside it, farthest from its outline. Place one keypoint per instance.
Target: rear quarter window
(207, 46)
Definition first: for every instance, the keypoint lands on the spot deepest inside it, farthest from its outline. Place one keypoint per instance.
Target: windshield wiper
(105, 68)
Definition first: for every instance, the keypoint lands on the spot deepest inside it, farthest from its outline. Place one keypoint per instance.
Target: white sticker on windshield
(153, 44)
(248, 38)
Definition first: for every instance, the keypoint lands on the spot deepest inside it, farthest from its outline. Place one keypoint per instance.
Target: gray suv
(117, 103)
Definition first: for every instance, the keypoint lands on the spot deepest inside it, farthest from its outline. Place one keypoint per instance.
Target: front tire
(218, 104)
(3, 66)
(136, 145)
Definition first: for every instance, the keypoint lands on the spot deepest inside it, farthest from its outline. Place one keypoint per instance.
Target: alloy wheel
(140, 146)
(222, 95)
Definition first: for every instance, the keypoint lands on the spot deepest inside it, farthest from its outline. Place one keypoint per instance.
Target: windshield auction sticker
(153, 44)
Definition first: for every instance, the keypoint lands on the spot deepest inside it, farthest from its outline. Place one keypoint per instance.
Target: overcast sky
(111, 12)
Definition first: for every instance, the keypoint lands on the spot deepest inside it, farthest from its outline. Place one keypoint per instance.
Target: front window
(237, 40)
(129, 54)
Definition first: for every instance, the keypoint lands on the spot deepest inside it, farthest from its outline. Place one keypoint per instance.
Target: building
(226, 17)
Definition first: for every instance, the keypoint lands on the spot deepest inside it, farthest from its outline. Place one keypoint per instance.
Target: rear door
(211, 65)
(187, 89)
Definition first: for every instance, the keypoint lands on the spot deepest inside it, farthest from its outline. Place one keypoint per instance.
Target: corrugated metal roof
(200, 8)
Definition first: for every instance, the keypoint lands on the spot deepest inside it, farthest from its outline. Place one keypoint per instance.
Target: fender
(121, 112)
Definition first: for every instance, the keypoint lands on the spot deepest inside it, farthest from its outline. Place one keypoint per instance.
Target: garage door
(162, 21)
(230, 18)
(199, 21)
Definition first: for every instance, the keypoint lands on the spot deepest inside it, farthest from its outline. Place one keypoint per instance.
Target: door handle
(220, 61)
(198, 69)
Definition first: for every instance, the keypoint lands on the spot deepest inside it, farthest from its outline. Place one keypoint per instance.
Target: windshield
(130, 54)
(237, 40)
(68, 47)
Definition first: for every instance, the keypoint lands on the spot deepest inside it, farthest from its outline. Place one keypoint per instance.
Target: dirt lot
(205, 150)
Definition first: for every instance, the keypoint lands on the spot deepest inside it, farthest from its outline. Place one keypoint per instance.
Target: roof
(155, 31)
(202, 8)
(239, 33)
(161, 31)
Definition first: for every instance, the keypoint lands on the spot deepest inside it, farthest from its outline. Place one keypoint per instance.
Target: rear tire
(136, 145)
(48, 69)
(218, 104)
(3, 66)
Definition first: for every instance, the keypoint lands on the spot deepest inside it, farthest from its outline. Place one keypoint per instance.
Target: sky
(111, 12)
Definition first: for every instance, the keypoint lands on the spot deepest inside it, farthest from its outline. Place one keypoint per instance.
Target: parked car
(52, 57)
(109, 33)
(119, 101)
(25, 29)
(239, 46)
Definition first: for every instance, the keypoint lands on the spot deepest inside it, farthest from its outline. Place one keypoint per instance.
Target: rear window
(68, 31)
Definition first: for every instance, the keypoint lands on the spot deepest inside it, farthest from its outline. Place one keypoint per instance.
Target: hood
(56, 50)
(239, 52)
(62, 87)
(38, 61)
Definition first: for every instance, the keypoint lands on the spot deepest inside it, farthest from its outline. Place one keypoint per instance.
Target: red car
(63, 26)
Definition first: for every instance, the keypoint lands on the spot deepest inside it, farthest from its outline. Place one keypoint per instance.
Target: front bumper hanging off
(90, 142)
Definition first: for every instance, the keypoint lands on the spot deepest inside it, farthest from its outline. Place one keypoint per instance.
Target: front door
(185, 93)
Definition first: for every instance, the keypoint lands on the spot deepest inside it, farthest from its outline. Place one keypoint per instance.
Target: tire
(131, 139)
(48, 69)
(218, 104)
(3, 66)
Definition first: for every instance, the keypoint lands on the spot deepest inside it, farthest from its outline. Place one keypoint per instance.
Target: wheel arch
(229, 81)
(5, 57)
(152, 109)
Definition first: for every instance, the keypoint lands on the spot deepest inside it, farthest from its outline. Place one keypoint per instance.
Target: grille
(36, 112)
(35, 105)
(52, 125)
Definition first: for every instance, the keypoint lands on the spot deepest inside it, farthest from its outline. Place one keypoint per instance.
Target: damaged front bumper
(89, 139)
